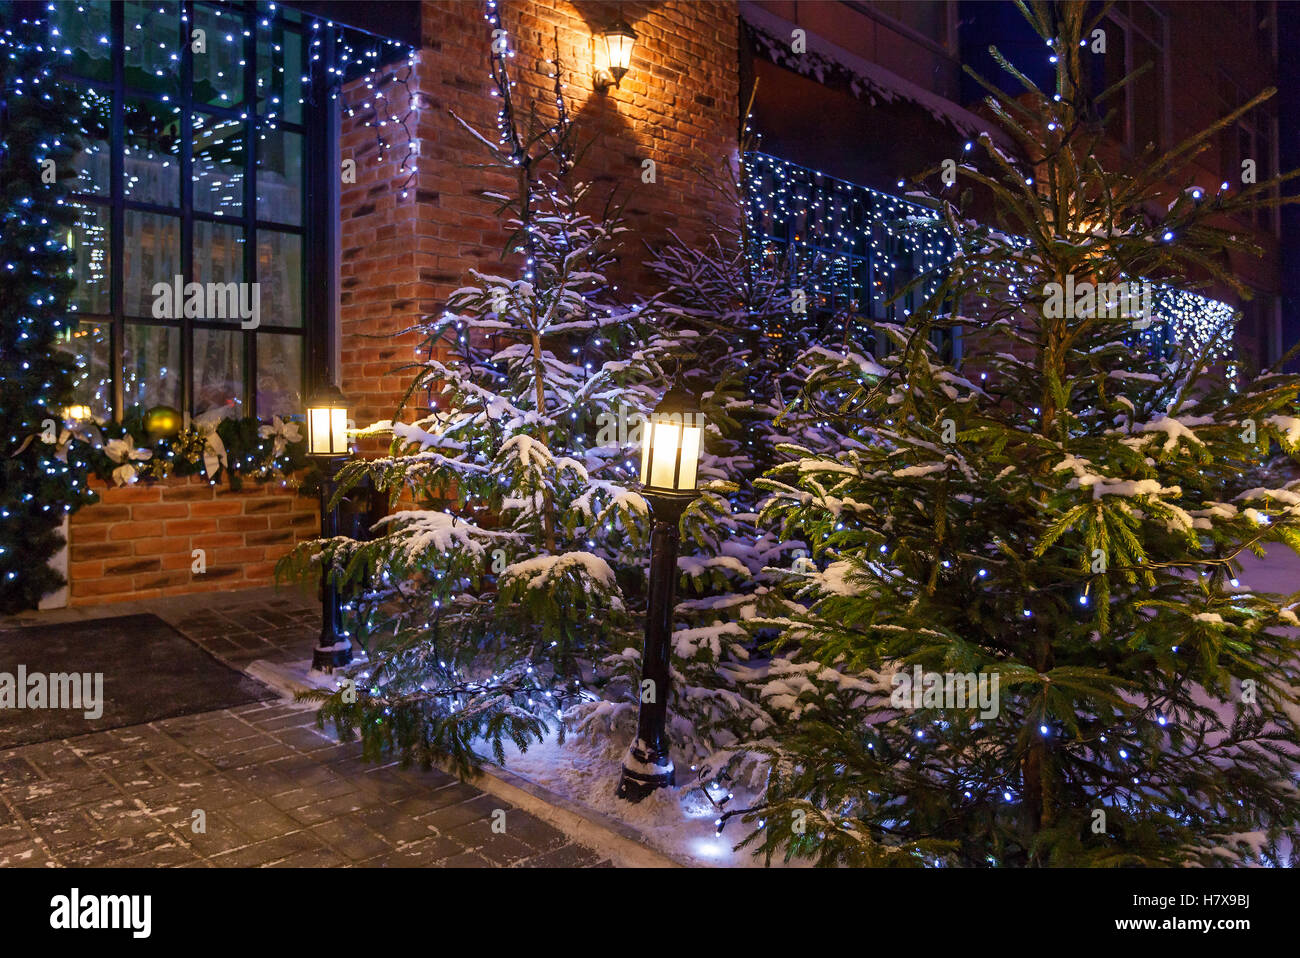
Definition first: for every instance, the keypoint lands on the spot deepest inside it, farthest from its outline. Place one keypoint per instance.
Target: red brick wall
(137, 542)
(678, 105)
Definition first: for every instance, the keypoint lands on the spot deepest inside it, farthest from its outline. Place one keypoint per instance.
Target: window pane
(88, 347)
(1147, 20)
(151, 366)
(218, 73)
(152, 46)
(89, 240)
(218, 370)
(152, 153)
(219, 152)
(1227, 144)
(153, 43)
(279, 273)
(1247, 150)
(1148, 94)
(927, 17)
(279, 71)
(279, 177)
(1264, 147)
(279, 375)
(152, 254)
(93, 162)
(83, 33)
(1115, 68)
(218, 252)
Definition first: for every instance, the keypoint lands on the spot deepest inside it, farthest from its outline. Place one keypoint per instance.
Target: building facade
(317, 149)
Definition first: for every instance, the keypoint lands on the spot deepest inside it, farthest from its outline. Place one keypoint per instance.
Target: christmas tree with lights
(38, 145)
(1027, 639)
(489, 604)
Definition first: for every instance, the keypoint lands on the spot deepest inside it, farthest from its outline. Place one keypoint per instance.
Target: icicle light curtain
(854, 247)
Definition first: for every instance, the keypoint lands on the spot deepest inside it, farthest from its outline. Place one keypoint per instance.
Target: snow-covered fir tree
(513, 590)
(485, 604)
(1058, 524)
(713, 307)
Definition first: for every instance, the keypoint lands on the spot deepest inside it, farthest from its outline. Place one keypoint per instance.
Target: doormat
(57, 681)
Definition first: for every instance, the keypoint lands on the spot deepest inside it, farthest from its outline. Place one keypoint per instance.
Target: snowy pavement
(268, 787)
(1279, 572)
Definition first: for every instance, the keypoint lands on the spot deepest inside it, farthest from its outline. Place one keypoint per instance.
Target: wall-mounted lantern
(616, 42)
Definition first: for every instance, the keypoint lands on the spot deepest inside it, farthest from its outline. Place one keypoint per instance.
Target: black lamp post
(670, 455)
(327, 443)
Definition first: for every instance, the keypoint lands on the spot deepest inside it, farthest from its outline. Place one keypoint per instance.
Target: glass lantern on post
(327, 444)
(670, 454)
(327, 424)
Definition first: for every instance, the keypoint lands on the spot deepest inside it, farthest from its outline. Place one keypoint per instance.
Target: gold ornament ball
(162, 422)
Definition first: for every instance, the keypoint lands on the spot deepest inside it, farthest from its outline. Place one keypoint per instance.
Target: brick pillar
(401, 258)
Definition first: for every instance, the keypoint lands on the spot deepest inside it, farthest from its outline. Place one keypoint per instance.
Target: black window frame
(1122, 19)
(318, 127)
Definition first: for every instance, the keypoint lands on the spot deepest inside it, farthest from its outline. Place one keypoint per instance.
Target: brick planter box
(138, 541)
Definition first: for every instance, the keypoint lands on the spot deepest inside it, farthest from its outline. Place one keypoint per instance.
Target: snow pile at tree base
(676, 821)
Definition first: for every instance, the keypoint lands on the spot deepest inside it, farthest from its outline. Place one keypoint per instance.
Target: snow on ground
(678, 822)
(1278, 572)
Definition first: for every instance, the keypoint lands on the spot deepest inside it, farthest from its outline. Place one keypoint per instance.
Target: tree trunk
(548, 501)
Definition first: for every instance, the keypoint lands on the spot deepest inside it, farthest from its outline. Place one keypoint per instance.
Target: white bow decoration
(284, 433)
(214, 450)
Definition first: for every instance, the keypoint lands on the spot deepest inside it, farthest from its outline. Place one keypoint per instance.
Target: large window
(1136, 38)
(194, 168)
(1251, 138)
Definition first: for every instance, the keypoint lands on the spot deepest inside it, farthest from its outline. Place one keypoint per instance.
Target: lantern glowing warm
(670, 446)
(670, 459)
(617, 42)
(327, 423)
(78, 412)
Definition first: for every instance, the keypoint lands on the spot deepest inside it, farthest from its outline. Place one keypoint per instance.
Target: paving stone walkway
(273, 789)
